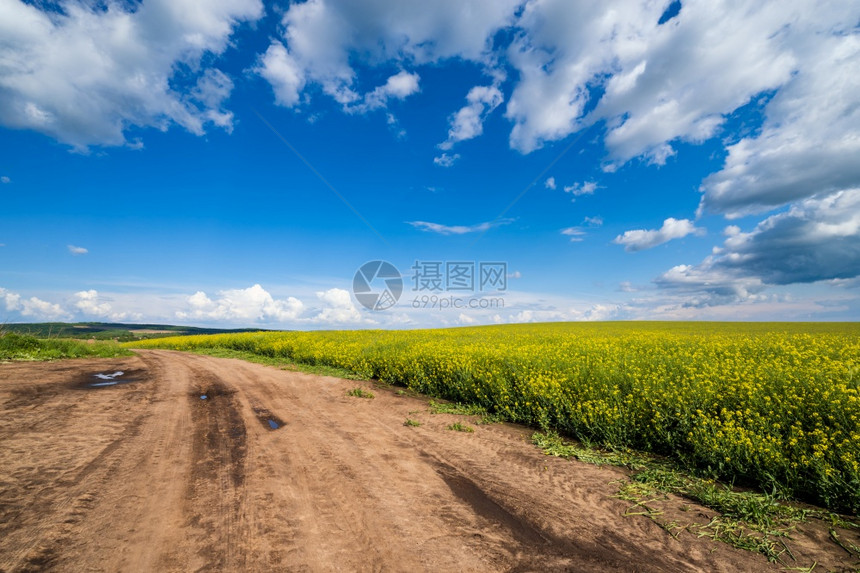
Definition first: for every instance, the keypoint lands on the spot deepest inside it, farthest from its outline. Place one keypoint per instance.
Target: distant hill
(110, 330)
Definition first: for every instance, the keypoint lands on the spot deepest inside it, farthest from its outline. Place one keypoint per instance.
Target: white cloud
(550, 311)
(731, 230)
(321, 38)
(468, 122)
(817, 239)
(640, 239)
(705, 285)
(686, 294)
(10, 299)
(77, 250)
(280, 69)
(578, 189)
(5, 179)
(338, 307)
(576, 234)
(446, 160)
(89, 302)
(399, 86)
(250, 304)
(464, 318)
(85, 75)
(549, 183)
(32, 307)
(40, 309)
(808, 143)
(458, 229)
(665, 82)
(679, 81)
(212, 90)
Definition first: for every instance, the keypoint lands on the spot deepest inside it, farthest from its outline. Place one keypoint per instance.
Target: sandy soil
(147, 476)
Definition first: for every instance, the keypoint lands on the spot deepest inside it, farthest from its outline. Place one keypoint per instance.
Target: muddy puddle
(269, 420)
(107, 379)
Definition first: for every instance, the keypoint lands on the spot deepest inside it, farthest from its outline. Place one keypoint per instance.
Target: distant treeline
(109, 330)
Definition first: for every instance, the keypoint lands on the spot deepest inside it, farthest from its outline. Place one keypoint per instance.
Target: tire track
(219, 451)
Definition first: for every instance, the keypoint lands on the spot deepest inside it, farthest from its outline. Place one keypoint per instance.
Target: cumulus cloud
(678, 80)
(399, 86)
(85, 74)
(446, 160)
(90, 303)
(640, 239)
(550, 183)
(808, 143)
(250, 304)
(817, 239)
(662, 82)
(706, 285)
(337, 307)
(458, 229)
(32, 307)
(280, 69)
(10, 299)
(322, 37)
(468, 122)
(77, 250)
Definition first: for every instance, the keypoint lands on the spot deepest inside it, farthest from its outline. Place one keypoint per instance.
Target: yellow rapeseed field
(775, 405)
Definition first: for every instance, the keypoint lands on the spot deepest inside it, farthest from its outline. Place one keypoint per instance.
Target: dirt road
(282, 471)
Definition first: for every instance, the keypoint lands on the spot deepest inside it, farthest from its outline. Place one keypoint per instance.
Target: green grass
(360, 393)
(412, 423)
(458, 427)
(747, 520)
(108, 330)
(484, 417)
(22, 347)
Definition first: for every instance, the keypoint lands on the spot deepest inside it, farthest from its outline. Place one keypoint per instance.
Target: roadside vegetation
(775, 406)
(747, 520)
(360, 393)
(107, 330)
(25, 347)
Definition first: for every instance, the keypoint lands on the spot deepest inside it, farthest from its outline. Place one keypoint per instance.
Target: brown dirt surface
(145, 475)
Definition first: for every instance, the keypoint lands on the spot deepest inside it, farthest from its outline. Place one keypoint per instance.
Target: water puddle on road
(269, 420)
(109, 378)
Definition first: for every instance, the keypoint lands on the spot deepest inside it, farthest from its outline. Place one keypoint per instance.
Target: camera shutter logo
(377, 285)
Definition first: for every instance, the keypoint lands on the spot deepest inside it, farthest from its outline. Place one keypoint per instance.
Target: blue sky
(235, 163)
